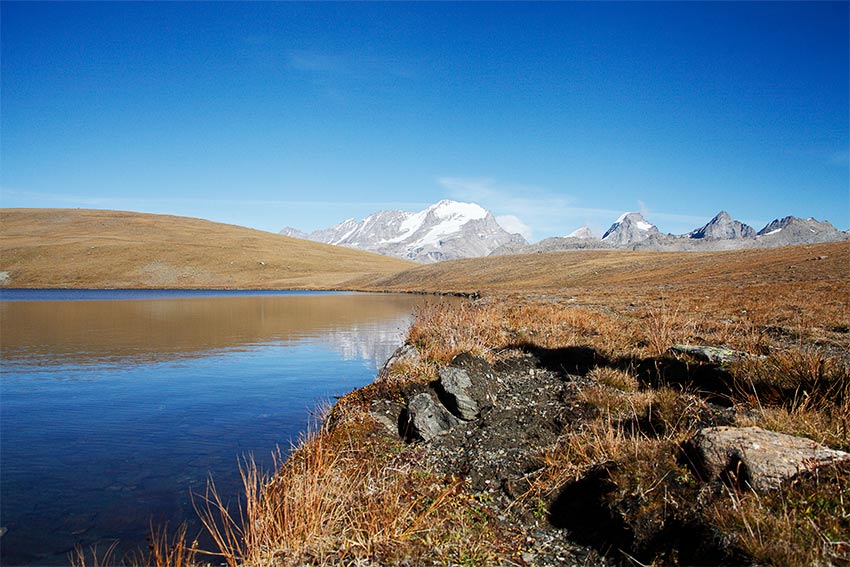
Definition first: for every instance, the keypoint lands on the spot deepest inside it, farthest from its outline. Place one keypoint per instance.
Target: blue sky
(303, 114)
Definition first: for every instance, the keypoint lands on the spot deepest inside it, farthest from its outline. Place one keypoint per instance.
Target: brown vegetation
(793, 321)
(72, 248)
(642, 403)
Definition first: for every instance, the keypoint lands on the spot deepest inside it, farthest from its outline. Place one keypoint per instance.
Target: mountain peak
(628, 229)
(583, 232)
(793, 230)
(778, 224)
(443, 231)
(723, 227)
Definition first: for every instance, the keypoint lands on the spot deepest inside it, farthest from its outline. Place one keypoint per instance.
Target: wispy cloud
(514, 225)
(542, 212)
(840, 158)
(314, 62)
(323, 67)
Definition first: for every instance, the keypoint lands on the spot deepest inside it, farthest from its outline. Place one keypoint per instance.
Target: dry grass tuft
(345, 495)
(82, 558)
(808, 523)
(802, 391)
(615, 378)
(173, 551)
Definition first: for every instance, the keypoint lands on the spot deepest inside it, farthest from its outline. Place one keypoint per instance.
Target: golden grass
(612, 273)
(72, 248)
(164, 550)
(342, 496)
(805, 524)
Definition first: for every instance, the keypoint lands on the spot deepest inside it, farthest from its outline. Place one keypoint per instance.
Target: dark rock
(427, 418)
(522, 411)
(754, 458)
(455, 386)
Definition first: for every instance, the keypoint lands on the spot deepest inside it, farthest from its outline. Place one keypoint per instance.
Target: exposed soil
(526, 403)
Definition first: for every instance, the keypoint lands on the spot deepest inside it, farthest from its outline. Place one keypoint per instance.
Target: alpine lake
(116, 407)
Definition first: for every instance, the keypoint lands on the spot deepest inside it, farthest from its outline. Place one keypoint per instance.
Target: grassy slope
(774, 286)
(72, 248)
(557, 272)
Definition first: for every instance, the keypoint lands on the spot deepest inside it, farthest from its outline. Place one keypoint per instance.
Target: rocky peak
(584, 233)
(723, 227)
(628, 229)
(792, 230)
(776, 225)
(294, 233)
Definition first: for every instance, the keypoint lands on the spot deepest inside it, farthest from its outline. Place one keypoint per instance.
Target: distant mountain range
(450, 230)
(444, 231)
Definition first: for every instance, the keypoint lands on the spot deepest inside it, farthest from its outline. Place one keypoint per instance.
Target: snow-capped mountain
(630, 228)
(723, 227)
(444, 231)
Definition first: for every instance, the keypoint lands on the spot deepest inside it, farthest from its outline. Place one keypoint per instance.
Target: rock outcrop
(714, 355)
(456, 387)
(427, 418)
(754, 458)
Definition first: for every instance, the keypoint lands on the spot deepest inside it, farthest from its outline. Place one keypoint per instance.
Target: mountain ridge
(451, 230)
(632, 232)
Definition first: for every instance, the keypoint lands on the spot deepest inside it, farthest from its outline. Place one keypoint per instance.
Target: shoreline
(574, 420)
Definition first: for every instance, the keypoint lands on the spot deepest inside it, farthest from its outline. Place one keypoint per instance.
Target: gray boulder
(426, 418)
(456, 387)
(716, 355)
(754, 458)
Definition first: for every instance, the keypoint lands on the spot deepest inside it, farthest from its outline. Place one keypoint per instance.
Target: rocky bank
(496, 425)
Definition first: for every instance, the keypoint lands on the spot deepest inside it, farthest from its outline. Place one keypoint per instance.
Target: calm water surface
(117, 404)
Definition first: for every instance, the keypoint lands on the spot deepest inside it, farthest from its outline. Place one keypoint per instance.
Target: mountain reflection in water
(131, 332)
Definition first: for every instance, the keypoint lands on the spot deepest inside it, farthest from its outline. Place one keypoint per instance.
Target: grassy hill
(72, 248)
(557, 272)
(808, 282)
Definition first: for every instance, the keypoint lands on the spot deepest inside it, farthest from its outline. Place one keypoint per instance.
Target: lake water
(114, 405)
